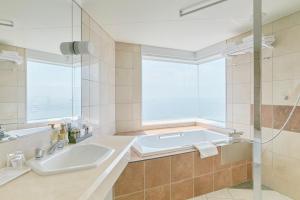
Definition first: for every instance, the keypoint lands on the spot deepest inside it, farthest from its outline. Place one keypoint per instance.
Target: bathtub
(181, 141)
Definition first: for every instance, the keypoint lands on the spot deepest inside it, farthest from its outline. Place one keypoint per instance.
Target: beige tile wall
(240, 85)
(13, 106)
(280, 78)
(239, 93)
(12, 90)
(98, 78)
(128, 87)
(26, 144)
(281, 158)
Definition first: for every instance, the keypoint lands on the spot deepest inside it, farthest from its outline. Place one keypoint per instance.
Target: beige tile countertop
(88, 184)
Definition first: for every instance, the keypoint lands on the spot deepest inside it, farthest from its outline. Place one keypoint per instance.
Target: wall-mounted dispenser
(76, 48)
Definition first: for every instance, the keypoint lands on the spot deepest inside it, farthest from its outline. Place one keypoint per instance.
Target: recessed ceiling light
(4, 22)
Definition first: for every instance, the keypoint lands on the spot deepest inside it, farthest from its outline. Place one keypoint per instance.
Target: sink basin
(71, 158)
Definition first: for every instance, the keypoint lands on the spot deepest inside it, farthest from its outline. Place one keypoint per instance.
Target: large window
(178, 91)
(169, 91)
(212, 90)
(50, 91)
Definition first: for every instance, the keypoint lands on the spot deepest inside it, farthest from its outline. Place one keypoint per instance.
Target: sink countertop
(78, 185)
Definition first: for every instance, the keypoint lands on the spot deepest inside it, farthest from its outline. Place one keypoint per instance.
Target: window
(212, 90)
(169, 91)
(179, 91)
(50, 91)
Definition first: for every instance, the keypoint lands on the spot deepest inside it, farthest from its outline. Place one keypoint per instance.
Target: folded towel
(206, 149)
(11, 56)
(10, 53)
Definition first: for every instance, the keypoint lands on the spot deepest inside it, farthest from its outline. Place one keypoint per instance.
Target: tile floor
(240, 194)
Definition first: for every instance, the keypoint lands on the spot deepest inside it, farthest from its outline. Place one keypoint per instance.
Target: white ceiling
(157, 22)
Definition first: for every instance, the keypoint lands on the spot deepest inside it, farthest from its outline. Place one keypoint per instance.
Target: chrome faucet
(60, 144)
(4, 137)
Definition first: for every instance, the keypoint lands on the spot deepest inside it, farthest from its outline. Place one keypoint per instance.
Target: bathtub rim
(177, 150)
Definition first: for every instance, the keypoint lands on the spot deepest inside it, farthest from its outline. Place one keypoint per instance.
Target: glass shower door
(280, 112)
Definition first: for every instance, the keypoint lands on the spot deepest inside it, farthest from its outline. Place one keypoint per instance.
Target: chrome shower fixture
(199, 6)
(77, 48)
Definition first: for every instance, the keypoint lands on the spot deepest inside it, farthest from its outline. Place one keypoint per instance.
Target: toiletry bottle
(63, 133)
(69, 131)
(54, 134)
(73, 136)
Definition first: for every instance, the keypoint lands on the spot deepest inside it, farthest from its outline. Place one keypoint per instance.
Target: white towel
(206, 149)
(11, 56)
(10, 53)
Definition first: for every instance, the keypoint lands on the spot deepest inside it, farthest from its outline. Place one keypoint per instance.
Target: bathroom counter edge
(79, 185)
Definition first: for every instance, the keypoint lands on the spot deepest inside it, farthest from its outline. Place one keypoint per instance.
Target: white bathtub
(167, 143)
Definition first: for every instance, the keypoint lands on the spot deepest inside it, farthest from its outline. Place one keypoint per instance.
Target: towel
(206, 149)
(11, 56)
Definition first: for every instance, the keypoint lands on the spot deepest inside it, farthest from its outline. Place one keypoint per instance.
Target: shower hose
(283, 126)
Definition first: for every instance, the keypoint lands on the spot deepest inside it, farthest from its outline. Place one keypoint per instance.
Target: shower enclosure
(263, 93)
(280, 90)
(262, 99)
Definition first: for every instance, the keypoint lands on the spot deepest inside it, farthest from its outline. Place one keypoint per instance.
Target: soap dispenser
(54, 134)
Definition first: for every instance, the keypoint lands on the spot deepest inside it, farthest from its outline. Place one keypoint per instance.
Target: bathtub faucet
(235, 134)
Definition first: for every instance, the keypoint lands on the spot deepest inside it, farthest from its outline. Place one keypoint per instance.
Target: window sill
(182, 123)
(168, 124)
(208, 122)
(20, 133)
(47, 121)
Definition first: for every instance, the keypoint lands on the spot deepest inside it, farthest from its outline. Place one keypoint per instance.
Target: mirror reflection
(38, 83)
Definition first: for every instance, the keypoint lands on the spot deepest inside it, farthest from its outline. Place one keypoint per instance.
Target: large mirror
(38, 83)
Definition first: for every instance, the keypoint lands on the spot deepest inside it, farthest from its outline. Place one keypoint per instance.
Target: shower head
(77, 48)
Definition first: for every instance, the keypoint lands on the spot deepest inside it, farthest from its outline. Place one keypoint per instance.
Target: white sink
(71, 158)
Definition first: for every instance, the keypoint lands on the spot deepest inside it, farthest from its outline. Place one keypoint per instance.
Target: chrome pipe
(257, 56)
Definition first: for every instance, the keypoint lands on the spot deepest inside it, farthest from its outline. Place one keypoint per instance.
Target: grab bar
(170, 136)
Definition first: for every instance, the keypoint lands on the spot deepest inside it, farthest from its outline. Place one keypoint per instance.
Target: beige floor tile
(241, 194)
(272, 195)
(223, 194)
